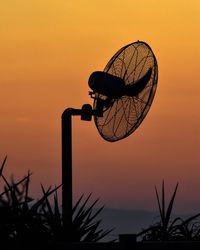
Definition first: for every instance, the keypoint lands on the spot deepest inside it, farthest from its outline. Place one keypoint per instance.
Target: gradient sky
(48, 49)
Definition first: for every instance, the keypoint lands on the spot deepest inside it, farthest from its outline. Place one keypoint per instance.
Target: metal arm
(86, 113)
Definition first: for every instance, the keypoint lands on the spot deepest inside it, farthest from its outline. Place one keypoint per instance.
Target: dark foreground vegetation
(27, 223)
(168, 229)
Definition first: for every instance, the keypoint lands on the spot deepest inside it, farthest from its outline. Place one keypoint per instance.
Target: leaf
(2, 165)
(163, 202)
(169, 209)
(159, 205)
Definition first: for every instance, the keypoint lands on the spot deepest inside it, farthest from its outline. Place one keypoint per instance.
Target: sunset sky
(49, 48)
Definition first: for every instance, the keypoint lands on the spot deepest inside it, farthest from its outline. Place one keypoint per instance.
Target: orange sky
(49, 48)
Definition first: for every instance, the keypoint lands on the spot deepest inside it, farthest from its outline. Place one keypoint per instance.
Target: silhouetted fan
(122, 95)
(124, 91)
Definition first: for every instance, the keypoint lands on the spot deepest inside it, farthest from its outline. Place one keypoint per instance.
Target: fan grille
(125, 114)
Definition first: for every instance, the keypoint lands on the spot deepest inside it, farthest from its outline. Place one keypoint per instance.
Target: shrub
(168, 229)
(26, 222)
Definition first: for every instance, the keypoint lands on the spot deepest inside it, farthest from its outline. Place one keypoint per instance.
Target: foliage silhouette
(168, 229)
(25, 222)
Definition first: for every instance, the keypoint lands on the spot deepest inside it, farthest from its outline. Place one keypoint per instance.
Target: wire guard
(122, 114)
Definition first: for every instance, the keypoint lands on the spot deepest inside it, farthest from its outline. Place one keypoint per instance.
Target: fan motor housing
(106, 84)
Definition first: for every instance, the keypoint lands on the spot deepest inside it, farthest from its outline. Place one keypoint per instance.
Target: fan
(122, 95)
(124, 91)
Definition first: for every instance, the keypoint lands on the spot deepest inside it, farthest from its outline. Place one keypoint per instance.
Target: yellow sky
(49, 48)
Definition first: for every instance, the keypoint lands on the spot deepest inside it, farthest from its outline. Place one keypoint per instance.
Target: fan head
(125, 90)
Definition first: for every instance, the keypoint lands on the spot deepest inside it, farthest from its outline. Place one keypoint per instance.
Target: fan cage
(125, 114)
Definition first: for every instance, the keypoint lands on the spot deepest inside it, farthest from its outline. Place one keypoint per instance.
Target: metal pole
(67, 202)
(67, 168)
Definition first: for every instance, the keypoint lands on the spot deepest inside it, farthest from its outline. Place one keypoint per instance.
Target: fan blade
(139, 85)
(106, 84)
